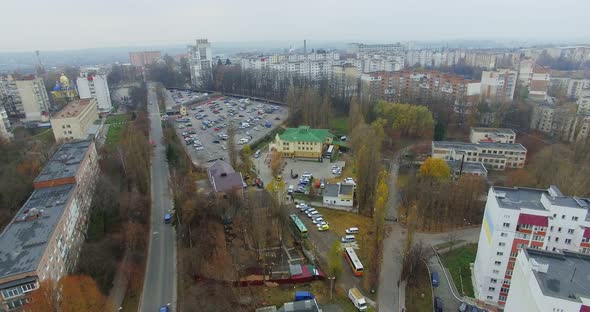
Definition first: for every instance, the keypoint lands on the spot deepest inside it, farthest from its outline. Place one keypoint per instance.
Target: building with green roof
(303, 142)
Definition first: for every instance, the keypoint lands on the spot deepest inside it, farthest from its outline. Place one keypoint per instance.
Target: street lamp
(332, 278)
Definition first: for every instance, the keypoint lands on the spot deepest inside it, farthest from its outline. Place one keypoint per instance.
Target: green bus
(299, 229)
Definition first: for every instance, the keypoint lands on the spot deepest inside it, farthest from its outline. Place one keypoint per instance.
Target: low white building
(495, 156)
(498, 135)
(340, 194)
(549, 282)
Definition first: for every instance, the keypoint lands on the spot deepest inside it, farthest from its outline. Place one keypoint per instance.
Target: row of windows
(18, 290)
(569, 231)
(574, 218)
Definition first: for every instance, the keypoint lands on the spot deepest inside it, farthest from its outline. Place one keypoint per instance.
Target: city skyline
(108, 24)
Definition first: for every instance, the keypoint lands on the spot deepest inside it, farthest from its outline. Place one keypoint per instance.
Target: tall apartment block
(201, 63)
(499, 85)
(92, 84)
(25, 97)
(517, 218)
(43, 240)
(550, 281)
(144, 58)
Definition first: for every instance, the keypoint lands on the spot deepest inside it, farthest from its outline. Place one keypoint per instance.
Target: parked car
(438, 304)
(323, 227)
(352, 230)
(434, 278)
(347, 239)
(317, 220)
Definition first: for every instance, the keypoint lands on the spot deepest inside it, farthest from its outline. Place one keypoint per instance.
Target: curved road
(159, 286)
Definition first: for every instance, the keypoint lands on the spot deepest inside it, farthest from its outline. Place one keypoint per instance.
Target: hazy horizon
(67, 25)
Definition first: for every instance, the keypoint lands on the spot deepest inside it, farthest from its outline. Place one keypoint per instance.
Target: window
(574, 218)
(509, 273)
(501, 244)
(570, 231)
(503, 234)
(499, 253)
(557, 239)
(551, 228)
(562, 217)
(504, 289)
(490, 298)
(492, 288)
(559, 229)
(496, 272)
(506, 224)
(493, 280)
(498, 262)
(568, 241)
(513, 253)
(554, 215)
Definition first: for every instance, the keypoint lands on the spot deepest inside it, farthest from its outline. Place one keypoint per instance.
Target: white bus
(330, 151)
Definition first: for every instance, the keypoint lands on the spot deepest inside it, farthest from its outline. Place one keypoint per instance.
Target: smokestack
(304, 47)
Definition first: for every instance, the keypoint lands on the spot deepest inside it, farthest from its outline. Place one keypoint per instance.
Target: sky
(27, 25)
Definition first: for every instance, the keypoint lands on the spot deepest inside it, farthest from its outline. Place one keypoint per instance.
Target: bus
(299, 229)
(330, 151)
(353, 261)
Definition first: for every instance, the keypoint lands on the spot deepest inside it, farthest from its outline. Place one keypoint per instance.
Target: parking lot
(204, 129)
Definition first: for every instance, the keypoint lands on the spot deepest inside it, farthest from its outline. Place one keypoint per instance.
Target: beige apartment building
(74, 120)
(43, 240)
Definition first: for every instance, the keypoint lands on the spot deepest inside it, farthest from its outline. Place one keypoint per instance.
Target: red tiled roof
(532, 219)
(585, 308)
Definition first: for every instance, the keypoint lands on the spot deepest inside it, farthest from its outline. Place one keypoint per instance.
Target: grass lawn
(457, 261)
(117, 118)
(339, 125)
(419, 298)
(341, 220)
(114, 134)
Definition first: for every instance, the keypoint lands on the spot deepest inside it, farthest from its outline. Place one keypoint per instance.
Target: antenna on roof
(574, 273)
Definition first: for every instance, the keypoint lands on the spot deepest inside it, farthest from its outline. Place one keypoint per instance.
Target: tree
(80, 293)
(276, 160)
(245, 157)
(44, 299)
(232, 150)
(355, 115)
(436, 168)
(335, 260)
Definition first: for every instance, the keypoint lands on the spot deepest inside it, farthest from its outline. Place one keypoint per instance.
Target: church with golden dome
(64, 90)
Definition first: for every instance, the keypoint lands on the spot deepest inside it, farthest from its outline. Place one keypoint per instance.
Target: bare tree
(232, 149)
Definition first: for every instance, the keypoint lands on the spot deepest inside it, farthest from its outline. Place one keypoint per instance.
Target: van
(167, 218)
(347, 239)
(438, 304)
(357, 299)
(352, 230)
(257, 154)
(434, 278)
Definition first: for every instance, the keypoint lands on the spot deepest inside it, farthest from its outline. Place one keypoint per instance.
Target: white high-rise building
(517, 218)
(34, 98)
(91, 84)
(200, 61)
(498, 85)
(5, 133)
(546, 281)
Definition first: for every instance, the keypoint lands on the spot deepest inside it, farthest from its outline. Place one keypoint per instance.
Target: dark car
(216, 141)
(438, 304)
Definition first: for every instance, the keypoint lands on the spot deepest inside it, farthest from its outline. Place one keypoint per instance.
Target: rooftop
(331, 190)
(455, 145)
(468, 167)
(564, 275)
(306, 134)
(23, 241)
(224, 177)
(73, 108)
(300, 306)
(503, 131)
(529, 198)
(65, 161)
(474, 146)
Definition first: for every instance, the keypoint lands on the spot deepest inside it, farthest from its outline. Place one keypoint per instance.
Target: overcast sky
(27, 25)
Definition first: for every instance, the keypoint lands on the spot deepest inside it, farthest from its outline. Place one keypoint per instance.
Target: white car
(312, 213)
(317, 220)
(199, 148)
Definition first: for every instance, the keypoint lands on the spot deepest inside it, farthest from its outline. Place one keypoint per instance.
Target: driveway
(450, 302)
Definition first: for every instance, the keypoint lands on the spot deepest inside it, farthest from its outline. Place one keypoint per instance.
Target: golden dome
(65, 82)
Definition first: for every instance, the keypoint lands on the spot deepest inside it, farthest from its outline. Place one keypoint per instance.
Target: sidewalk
(119, 289)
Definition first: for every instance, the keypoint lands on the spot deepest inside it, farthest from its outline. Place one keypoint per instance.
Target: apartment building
(92, 84)
(144, 58)
(74, 120)
(567, 122)
(537, 273)
(499, 85)
(583, 102)
(43, 240)
(379, 48)
(394, 86)
(200, 60)
(497, 135)
(539, 84)
(302, 142)
(25, 97)
(313, 66)
(480, 59)
(517, 218)
(525, 71)
(345, 79)
(494, 156)
(5, 129)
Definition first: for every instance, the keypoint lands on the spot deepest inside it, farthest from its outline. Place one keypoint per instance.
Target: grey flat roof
(508, 146)
(23, 242)
(65, 161)
(455, 145)
(567, 276)
(331, 190)
(519, 197)
(300, 306)
(468, 167)
(346, 189)
(502, 131)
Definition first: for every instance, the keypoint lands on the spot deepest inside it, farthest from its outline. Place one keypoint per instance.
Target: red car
(217, 129)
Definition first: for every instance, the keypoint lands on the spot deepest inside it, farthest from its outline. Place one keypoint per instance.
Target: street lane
(159, 287)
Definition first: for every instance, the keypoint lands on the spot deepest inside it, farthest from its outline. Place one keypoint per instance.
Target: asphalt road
(159, 286)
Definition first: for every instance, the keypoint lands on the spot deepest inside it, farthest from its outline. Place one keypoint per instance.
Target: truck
(357, 299)
(303, 295)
